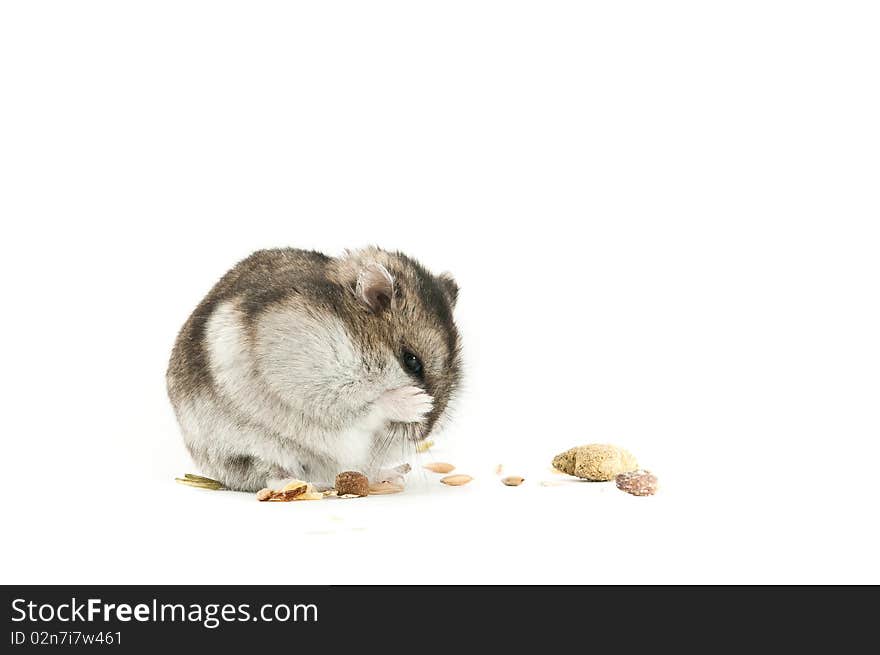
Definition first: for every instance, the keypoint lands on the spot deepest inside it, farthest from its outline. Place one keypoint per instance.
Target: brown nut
(513, 480)
(637, 483)
(439, 467)
(456, 480)
(352, 483)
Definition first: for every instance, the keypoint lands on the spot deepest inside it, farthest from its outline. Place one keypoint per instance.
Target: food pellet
(597, 462)
(352, 483)
(513, 480)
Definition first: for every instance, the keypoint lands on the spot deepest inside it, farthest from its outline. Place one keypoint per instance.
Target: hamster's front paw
(406, 404)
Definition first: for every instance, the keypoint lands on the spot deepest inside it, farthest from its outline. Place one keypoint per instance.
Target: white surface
(663, 218)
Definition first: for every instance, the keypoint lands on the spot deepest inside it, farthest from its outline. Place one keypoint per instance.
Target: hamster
(300, 365)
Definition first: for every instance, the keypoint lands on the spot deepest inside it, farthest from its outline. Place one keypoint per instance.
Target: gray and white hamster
(300, 365)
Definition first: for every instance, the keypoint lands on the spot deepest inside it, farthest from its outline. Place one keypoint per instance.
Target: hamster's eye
(413, 364)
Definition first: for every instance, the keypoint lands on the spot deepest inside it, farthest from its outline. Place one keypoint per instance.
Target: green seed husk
(199, 478)
(200, 482)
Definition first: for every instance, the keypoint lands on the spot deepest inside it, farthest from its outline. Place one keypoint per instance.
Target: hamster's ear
(375, 287)
(450, 287)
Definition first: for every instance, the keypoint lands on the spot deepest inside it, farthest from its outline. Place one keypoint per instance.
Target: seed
(456, 480)
(287, 496)
(385, 488)
(310, 495)
(293, 490)
(439, 467)
(425, 446)
(513, 480)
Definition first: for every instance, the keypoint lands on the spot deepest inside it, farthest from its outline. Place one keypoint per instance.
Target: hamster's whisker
(378, 455)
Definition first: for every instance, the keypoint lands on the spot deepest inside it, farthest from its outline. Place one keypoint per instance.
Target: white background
(663, 218)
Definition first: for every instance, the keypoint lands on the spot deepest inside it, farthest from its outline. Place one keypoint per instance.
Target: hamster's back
(261, 279)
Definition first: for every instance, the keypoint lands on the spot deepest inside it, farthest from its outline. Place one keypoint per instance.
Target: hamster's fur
(300, 365)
